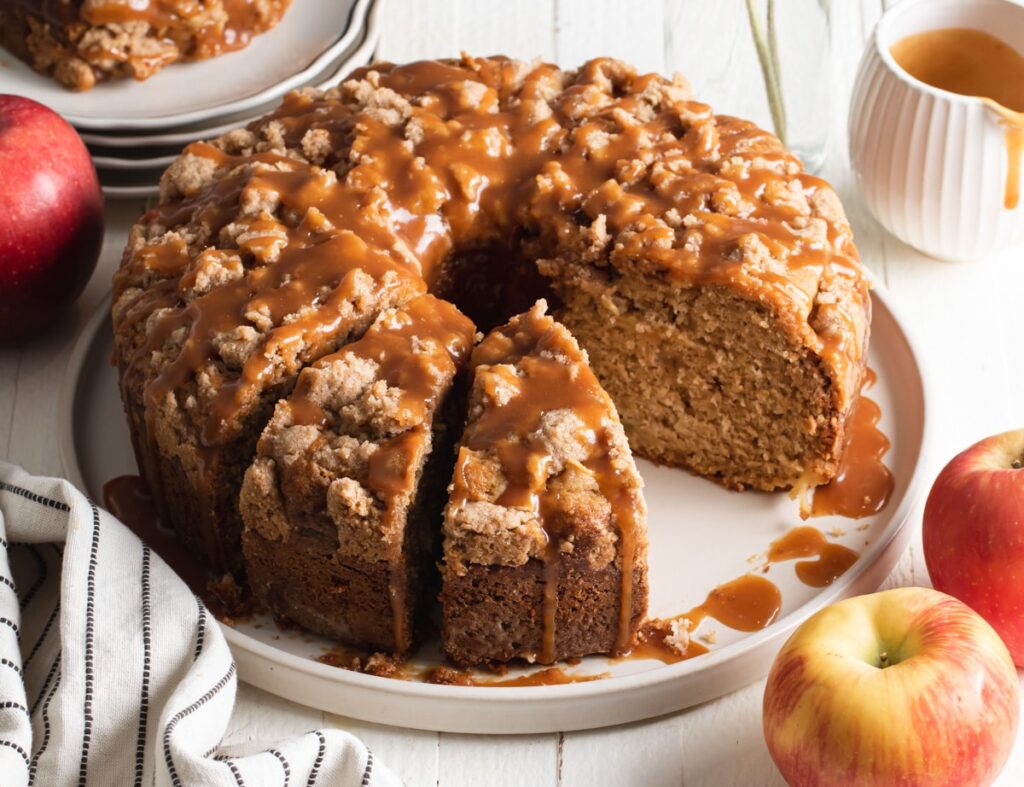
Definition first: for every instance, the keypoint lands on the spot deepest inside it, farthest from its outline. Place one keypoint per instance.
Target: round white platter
(359, 53)
(309, 36)
(700, 536)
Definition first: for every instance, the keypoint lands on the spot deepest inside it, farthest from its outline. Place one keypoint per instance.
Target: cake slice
(545, 537)
(343, 502)
(82, 42)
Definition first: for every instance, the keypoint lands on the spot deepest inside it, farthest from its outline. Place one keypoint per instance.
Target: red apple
(974, 534)
(907, 687)
(51, 217)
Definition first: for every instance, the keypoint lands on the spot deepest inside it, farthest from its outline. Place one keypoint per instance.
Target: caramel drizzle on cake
(531, 370)
(414, 349)
(340, 504)
(465, 162)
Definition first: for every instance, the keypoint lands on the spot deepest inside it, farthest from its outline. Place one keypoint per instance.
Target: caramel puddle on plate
(974, 63)
(831, 560)
(863, 485)
(129, 499)
(747, 603)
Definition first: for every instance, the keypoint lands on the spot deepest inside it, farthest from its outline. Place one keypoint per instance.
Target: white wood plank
(412, 755)
(32, 441)
(724, 744)
(414, 31)
(471, 760)
(517, 28)
(633, 32)
(711, 44)
(260, 718)
(648, 753)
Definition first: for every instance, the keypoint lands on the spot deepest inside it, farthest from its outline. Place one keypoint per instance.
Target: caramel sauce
(214, 33)
(973, 63)
(414, 347)
(652, 642)
(128, 498)
(863, 485)
(541, 370)
(747, 603)
(482, 154)
(831, 560)
(1014, 151)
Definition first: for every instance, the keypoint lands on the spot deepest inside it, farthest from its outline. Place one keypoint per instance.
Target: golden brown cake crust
(82, 42)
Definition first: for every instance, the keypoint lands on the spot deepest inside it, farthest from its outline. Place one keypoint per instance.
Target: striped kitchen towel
(112, 672)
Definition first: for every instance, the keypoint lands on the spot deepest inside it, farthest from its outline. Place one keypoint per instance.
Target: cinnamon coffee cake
(713, 283)
(82, 42)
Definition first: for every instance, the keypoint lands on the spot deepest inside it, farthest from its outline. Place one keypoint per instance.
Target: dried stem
(767, 54)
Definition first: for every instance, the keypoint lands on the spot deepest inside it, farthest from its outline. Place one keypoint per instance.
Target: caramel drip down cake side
(545, 495)
(341, 507)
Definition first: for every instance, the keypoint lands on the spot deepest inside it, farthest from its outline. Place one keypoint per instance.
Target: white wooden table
(967, 318)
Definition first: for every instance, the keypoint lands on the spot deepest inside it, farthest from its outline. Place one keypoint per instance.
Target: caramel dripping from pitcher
(974, 63)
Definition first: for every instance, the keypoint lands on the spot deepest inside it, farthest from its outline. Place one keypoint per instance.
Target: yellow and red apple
(51, 217)
(974, 533)
(904, 687)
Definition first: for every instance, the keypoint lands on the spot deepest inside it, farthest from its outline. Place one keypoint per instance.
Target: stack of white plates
(135, 129)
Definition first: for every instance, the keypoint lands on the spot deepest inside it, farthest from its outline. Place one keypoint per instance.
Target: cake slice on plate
(545, 536)
(82, 42)
(343, 502)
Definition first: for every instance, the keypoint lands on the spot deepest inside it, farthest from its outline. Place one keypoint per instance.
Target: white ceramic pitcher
(932, 165)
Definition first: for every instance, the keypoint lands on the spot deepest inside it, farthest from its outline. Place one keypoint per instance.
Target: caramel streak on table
(966, 318)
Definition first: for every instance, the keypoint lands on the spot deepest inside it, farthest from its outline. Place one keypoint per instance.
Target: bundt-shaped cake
(713, 283)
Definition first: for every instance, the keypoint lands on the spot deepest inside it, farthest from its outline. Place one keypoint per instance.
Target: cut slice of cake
(545, 537)
(343, 502)
(82, 42)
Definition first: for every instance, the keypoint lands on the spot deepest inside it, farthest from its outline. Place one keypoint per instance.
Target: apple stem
(1016, 464)
(883, 658)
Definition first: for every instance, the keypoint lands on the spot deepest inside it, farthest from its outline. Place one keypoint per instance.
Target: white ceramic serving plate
(309, 36)
(700, 534)
(359, 53)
